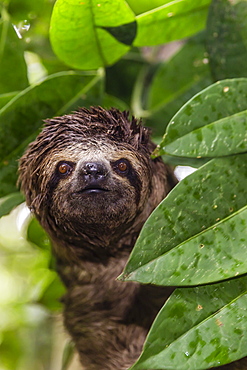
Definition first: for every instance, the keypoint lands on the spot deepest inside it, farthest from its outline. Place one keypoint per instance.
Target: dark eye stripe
(130, 174)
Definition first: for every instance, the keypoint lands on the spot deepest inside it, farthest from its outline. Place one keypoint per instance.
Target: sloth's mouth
(90, 189)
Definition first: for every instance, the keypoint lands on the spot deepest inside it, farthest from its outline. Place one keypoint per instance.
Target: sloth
(91, 183)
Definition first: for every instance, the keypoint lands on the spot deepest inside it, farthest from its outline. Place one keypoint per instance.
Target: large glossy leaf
(13, 69)
(89, 34)
(226, 38)
(22, 117)
(212, 123)
(198, 328)
(197, 234)
(172, 21)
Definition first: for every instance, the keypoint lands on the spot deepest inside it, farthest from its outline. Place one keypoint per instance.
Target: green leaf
(89, 34)
(51, 297)
(212, 123)
(159, 119)
(13, 70)
(183, 70)
(9, 202)
(226, 38)
(21, 118)
(172, 21)
(68, 354)
(175, 82)
(37, 235)
(197, 234)
(198, 328)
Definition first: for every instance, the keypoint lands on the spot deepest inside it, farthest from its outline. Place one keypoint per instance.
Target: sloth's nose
(94, 170)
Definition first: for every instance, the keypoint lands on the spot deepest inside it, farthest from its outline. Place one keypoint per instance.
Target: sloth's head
(89, 178)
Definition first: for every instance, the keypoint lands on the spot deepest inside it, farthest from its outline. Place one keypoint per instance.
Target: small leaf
(198, 328)
(226, 38)
(212, 123)
(9, 202)
(89, 34)
(197, 234)
(172, 21)
(37, 235)
(51, 297)
(68, 354)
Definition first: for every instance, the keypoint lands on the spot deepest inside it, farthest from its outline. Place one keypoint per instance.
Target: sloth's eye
(64, 168)
(122, 166)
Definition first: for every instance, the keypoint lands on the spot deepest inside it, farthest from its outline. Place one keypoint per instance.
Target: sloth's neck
(99, 250)
(87, 271)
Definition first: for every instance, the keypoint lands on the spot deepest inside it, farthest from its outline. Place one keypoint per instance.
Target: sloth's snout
(94, 175)
(94, 171)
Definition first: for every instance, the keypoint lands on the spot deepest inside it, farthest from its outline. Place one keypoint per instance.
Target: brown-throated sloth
(90, 181)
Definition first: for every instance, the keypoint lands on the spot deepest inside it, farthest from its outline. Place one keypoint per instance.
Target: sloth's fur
(93, 212)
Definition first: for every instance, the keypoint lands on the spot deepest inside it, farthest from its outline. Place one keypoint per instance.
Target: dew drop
(21, 27)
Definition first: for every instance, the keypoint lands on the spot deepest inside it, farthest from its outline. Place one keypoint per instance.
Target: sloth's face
(97, 184)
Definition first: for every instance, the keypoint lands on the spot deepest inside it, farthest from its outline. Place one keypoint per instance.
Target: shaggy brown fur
(90, 181)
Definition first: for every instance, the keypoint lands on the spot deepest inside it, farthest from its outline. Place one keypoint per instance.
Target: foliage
(196, 236)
